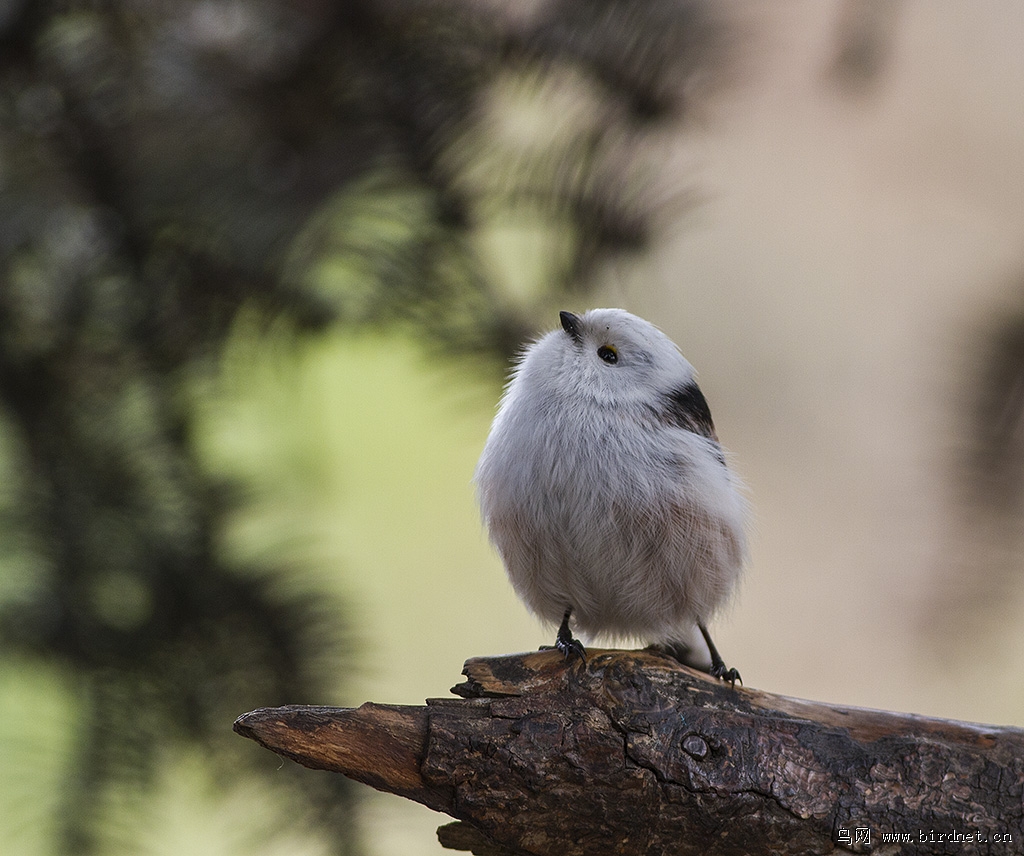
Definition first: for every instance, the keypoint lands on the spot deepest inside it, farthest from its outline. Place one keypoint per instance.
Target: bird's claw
(718, 668)
(567, 643)
(571, 647)
(720, 671)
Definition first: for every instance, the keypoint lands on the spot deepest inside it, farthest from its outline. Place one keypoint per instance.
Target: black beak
(571, 325)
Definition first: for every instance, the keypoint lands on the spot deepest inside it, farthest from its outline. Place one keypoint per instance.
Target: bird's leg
(565, 642)
(718, 667)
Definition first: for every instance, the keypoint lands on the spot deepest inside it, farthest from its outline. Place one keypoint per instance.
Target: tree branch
(635, 754)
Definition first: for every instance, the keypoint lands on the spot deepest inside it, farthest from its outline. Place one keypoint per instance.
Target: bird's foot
(567, 643)
(571, 648)
(719, 670)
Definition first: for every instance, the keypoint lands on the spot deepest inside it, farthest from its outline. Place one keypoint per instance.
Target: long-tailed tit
(606, 493)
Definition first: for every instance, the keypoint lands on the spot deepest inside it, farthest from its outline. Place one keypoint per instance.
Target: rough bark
(635, 754)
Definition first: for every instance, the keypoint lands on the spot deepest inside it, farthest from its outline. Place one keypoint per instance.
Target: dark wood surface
(633, 753)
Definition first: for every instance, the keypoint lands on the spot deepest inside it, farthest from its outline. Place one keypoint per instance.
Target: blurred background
(263, 264)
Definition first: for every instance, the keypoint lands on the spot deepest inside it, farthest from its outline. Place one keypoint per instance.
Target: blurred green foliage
(173, 174)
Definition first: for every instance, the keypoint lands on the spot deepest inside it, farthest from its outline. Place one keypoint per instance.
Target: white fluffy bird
(606, 493)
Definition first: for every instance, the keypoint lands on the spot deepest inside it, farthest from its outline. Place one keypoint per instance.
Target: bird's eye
(608, 354)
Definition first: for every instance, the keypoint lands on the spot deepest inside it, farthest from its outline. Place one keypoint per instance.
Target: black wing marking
(686, 408)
